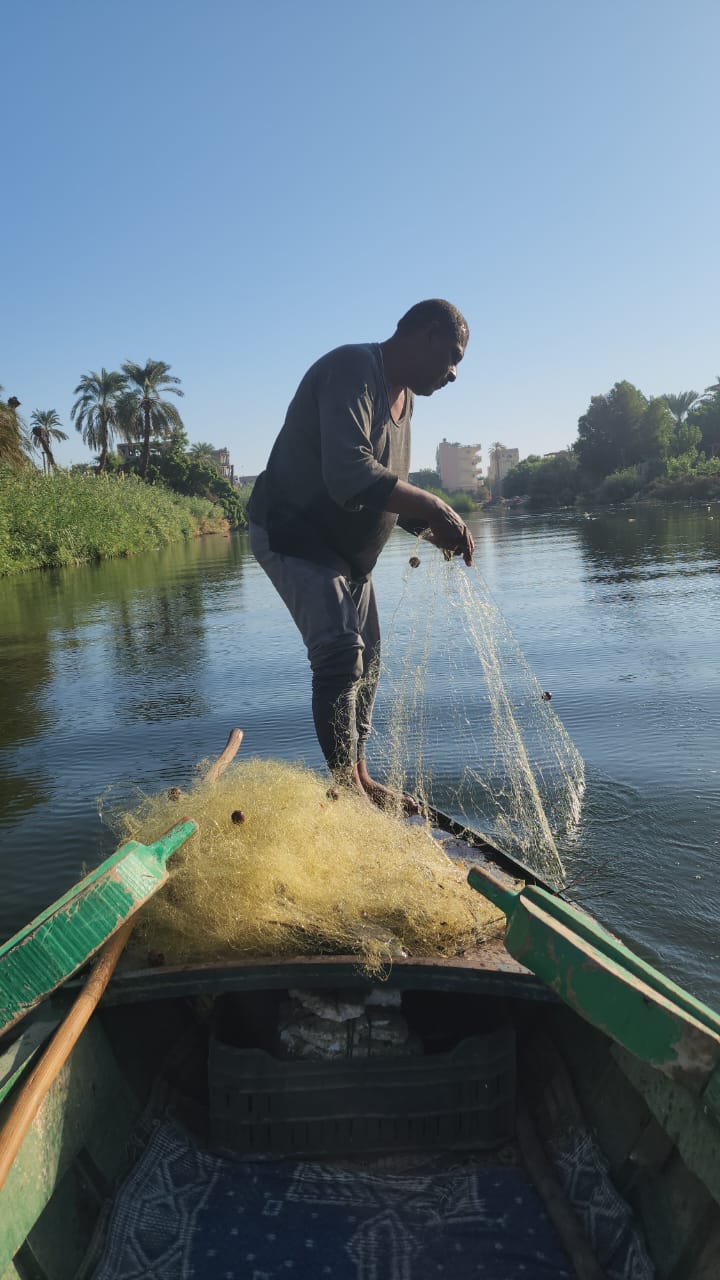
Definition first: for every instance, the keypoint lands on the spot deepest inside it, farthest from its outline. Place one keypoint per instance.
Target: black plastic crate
(261, 1105)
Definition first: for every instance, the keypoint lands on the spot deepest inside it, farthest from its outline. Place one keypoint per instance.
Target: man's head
(429, 343)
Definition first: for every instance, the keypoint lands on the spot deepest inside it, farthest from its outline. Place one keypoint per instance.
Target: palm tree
(496, 448)
(14, 441)
(712, 390)
(142, 412)
(680, 404)
(96, 410)
(204, 453)
(46, 428)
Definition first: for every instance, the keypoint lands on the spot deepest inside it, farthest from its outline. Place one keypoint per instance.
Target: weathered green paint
(57, 942)
(588, 969)
(614, 949)
(683, 1116)
(89, 1106)
(584, 925)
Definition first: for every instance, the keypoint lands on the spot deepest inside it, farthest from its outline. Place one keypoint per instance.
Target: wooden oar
(35, 1088)
(67, 934)
(605, 982)
(30, 1097)
(559, 1208)
(227, 756)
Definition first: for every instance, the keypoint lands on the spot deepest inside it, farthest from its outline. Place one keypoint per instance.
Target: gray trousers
(338, 621)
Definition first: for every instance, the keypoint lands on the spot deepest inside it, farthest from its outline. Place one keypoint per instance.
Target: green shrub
(463, 503)
(618, 487)
(62, 519)
(683, 464)
(190, 476)
(547, 483)
(700, 486)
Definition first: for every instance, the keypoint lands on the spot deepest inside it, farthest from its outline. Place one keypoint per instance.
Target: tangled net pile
(463, 723)
(300, 873)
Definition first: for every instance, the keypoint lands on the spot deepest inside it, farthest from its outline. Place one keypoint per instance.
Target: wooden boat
(510, 1070)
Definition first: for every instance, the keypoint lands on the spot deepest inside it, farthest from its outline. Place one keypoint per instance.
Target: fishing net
(280, 868)
(463, 723)
(277, 868)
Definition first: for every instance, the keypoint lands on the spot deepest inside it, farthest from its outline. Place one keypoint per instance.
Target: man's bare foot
(384, 797)
(347, 781)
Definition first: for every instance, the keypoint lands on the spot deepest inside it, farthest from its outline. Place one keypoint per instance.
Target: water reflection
(619, 547)
(25, 670)
(91, 659)
(158, 641)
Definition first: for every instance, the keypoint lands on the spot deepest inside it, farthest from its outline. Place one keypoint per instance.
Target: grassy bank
(63, 519)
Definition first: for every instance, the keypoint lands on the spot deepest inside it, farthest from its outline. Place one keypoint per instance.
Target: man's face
(438, 355)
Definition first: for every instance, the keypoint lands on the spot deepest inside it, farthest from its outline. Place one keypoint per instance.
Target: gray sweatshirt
(334, 464)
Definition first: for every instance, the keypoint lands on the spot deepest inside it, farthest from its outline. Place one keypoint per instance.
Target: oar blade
(60, 940)
(610, 997)
(593, 932)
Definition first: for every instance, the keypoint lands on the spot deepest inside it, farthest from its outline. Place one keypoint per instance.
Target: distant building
(241, 481)
(501, 461)
(221, 457)
(133, 448)
(225, 466)
(129, 450)
(460, 466)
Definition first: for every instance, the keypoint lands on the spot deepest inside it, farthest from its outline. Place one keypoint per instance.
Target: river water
(117, 678)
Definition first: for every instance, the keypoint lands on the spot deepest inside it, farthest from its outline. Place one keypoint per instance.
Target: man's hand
(461, 549)
(451, 534)
(447, 530)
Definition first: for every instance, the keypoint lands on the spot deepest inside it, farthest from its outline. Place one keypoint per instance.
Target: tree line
(132, 404)
(630, 444)
(627, 443)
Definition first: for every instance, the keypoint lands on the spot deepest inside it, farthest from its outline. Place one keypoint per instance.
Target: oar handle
(228, 755)
(166, 844)
(492, 887)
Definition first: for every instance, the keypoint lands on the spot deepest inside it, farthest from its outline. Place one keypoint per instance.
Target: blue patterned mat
(184, 1213)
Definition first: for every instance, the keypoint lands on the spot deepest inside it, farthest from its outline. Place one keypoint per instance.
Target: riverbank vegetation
(172, 491)
(14, 443)
(160, 488)
(630, 447)
(51, 520)
(460, 501)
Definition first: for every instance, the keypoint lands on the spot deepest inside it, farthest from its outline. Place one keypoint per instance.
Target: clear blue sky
(237, 187)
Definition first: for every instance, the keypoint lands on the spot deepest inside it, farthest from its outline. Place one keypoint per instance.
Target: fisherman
(335, 485)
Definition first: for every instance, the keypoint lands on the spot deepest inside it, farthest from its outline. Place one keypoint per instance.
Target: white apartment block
(460, 466)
